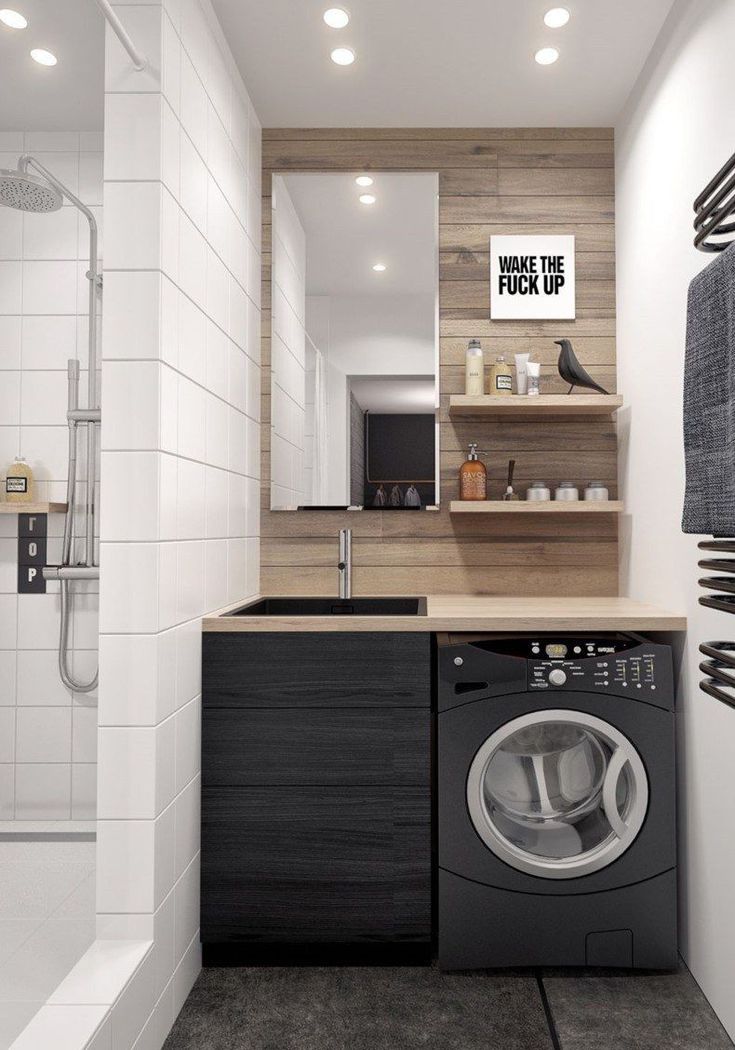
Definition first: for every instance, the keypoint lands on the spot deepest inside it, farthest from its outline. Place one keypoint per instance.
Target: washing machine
(556, 802)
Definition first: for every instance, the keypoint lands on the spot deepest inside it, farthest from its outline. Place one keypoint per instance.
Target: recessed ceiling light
(556, 17)
(367, 198)
(336, 17)
(546, 56)
(44, 58)
(343, 56)
(364, 180)
(379, 267)
(14, 19)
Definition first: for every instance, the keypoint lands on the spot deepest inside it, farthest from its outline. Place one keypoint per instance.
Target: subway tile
(188, 831)
(51, 141)
(193, 105)
(83, 791)
(130, 593)
(186, 974)
(169, 407)
(186, 904)
(8, 621)
(133, 1007)
(91, 177)
(192, 341)
(49, 287)
(191, 420)
(51, 236)
(7, 677)
(192, 261)
(7, 734)
(169, 318)
(7, 792)
(125, 865)
(217, 355)
(131, 417)
(188, 662)
(11, 287)
(42, 791)
(133, 308)
(10, 343)
(170, 217)
(168, 587)
(217, 290)
(38, 621)
(168, 489)
(215, 569)
(132, 226)
(133, 137)
(189, 580)
(11, 234)
(126, 778)
(188, 742)
(44, 398)
(165, 856)
(39, 684)
(171, 62)
(84, 734)
(170, 157)
(43, 734)
(193, 183)
(48, 342)
(191, 500)
(129, 508)
(217, 436)
(216, 502)
(137, 678)
(10, 400)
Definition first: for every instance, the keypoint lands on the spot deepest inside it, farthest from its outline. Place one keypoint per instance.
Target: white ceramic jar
(596, 491)
(538, 492)
(567, 491)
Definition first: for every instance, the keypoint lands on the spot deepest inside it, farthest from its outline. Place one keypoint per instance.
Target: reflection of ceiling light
(336, 17)
(556, 17)
(343, 56)
(546, 56)
(364, 180)
(44, 58)
(14, 19)
(367, 198)
(379, 267)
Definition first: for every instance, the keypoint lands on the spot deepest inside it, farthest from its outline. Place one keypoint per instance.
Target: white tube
(138, 59)
(521, 373)
(533, 369)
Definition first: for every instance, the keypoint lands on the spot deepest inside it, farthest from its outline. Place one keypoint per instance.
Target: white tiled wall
(48, 749)
(288, 353)
(180, 461)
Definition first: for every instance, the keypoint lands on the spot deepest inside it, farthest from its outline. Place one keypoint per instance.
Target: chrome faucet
(345, 563)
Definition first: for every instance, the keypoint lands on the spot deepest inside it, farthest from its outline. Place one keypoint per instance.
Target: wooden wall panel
(491, 181)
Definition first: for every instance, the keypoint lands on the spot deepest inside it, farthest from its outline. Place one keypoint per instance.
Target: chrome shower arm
(28, 161)
(138, 58)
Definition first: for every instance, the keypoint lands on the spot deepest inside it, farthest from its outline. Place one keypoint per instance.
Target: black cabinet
(316, 793)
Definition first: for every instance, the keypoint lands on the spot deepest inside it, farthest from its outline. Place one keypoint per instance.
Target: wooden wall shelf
(545, 406)
(496, 506)
(32, 508)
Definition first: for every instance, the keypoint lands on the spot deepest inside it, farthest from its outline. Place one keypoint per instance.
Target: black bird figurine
(571, 370)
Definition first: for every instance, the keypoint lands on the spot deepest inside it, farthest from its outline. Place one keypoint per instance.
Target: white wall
(180, 467)
(678, 129)
(288, 353)
(48, 736)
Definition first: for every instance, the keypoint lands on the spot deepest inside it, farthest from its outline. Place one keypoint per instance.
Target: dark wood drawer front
(316, 669)
(315, 865)
(316, 747)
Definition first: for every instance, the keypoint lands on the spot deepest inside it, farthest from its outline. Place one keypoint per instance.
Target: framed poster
(532, 278)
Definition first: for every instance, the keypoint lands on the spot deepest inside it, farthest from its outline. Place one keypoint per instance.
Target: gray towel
(709, 400)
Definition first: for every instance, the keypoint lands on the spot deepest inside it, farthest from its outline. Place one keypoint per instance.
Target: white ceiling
(440, 63)
(68, 96)
(345, 238)
(402, 395)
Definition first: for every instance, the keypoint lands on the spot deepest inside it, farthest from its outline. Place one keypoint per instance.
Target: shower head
(25, 192)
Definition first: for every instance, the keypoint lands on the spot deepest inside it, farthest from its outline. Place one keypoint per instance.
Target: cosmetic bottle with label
(19, 482)
(501, 378)
(474, 379)
(472, 476)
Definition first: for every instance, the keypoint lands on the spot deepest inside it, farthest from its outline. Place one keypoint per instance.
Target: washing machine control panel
(599, 664)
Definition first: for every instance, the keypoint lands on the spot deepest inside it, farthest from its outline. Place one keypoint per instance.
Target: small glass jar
(596, 491)
(538, 492)
(567, 490)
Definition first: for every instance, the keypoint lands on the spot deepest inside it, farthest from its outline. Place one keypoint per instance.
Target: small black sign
(32, 529)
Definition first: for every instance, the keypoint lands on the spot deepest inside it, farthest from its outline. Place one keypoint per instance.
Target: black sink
(334, 607)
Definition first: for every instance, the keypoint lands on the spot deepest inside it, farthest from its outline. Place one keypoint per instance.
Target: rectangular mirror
(354, 341)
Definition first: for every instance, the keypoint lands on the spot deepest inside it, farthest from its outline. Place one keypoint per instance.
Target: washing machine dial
(557, 676)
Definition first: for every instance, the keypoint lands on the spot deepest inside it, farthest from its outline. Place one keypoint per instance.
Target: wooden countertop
(465, 612)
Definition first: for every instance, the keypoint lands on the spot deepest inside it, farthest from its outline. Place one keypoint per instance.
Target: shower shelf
(535, 507)
(549, 406)
(33, 508)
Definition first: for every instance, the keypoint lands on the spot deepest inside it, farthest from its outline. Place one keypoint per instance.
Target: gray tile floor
(325, 1008)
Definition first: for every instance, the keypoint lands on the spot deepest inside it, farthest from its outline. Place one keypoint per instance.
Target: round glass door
(557, 794)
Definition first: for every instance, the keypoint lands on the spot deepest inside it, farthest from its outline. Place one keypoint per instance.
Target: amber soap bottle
(472, 477)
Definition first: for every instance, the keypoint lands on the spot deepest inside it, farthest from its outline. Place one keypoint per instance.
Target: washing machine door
(558, 793)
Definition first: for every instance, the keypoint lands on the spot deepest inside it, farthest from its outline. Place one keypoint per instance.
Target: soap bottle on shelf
(19, 482)
(472, 476)
(474, 377)
(501, 378)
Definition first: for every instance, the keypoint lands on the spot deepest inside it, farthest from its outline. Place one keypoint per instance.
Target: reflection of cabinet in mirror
(354, 349)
